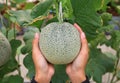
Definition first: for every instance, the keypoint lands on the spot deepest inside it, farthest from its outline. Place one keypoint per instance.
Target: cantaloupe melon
(5, 49)
(59, 42)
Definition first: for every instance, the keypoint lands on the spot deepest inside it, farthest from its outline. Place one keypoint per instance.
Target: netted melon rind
(59, 43)
(5, 49)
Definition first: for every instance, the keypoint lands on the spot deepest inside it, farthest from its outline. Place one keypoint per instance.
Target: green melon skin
(5, 49)
(60, 42)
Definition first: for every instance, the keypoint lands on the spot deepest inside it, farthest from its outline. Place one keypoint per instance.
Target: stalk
(14, 32)
(1, 19)
(60, 13)
(115, 68)
(58, 5)
(6, 8)
(18, 69)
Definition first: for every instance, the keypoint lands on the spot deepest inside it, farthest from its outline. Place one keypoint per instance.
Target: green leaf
(118, 9)
(107, 61)
(2, 6)
(3, 30)
(41, 8)
(18, 1)
(52, 20)
(22, 16)
(12, 34)
(99, 64)
(106, 17)
(99, 4)
(29, 34)
(67, 9)
(104, 5)
(28, 63)
(13, 79)
(60, 75)
(95, 70)
(118, 74)
(37, 23)
(86, 16)
(117, 43)
(29, 5)
(27, 49)
(98, 40)
(114, 42)
(28, 37)
(12, 64)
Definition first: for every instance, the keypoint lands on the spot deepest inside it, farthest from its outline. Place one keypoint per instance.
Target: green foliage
(28, 37)
(12, 64)
(41, 8)
(86, 16)
(101, 63)
(89, 14)
(13, 79)
(18, 1)
(106, 17)
(103, 6)
(60, 74)
(22, 16)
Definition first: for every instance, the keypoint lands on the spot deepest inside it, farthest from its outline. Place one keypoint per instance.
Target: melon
(59, 42)
(5, 49)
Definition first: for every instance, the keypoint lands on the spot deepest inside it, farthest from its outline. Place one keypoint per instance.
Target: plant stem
(60, 13)
(6, 4)
(1, 19)
(115, 68)
(58, 5)
(14, 31)
(18, 69)
(6, 28)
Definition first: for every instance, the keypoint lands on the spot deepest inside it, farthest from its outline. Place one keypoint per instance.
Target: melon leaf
(99, 4)
(114, 42)
(41, 8)
(21, 16)
(86, 16)
(101, 63)
(60, 75)
(12, 64)
(28, 37)
(12, 79)
(118, 74)
(18, 1)
(28, 62)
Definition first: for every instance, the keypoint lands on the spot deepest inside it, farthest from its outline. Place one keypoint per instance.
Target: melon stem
(60, 16)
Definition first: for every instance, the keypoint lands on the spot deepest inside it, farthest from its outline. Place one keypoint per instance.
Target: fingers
(35, 43)
(84, 42)
(78, 28)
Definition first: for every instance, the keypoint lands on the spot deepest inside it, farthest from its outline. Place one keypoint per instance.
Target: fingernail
(83, 35)
(75, 24)
(36, 36)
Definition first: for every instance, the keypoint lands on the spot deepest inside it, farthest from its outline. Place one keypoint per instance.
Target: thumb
(84, 48)
(35, 43)
(84, 43)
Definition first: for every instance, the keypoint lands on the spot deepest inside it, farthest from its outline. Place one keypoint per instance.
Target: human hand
(76, 69)
(44, 70)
